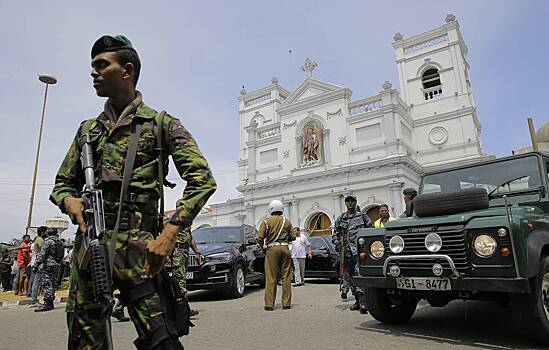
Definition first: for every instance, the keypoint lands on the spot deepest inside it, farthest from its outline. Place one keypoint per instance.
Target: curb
(23, 302)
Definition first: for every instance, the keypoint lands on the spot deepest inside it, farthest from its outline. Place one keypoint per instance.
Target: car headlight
(433, 242)
(377, 249)
(396, 244)
(484, 245)
(219, 257)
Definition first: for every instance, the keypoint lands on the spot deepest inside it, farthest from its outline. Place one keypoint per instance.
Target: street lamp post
(48, 80)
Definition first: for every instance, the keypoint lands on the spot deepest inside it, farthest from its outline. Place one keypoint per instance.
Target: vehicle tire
(533, 309)
(387, 310)
(238, 282)
(434, 204)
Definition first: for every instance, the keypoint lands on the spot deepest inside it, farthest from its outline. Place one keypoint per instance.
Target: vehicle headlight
(433, 242)
(361, 241)
(396, 244)
(219, 257)
(377, 249)
(484, 245)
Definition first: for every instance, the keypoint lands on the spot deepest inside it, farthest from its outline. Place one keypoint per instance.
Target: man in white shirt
(301, 249)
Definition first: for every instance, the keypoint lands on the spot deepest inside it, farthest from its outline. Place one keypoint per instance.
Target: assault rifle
(96, 253)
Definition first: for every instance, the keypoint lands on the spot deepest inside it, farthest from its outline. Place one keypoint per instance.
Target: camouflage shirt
(351, 223)
(110, 148)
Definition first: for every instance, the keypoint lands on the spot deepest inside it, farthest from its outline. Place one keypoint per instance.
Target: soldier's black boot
(48, 305)
(355, 306)
(118, 313)
(193, 313)
(363, 309)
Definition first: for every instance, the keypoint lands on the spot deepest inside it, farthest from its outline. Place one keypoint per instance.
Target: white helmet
(275, 206)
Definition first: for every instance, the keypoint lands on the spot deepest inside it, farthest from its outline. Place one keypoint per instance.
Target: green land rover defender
(479, 232)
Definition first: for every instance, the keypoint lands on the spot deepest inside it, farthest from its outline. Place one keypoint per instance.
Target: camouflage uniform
(86, 326)
(180, 258)
(48, 267)
(354, 222)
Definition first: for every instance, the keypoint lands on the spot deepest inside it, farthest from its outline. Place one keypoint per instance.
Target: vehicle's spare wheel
(444, 203)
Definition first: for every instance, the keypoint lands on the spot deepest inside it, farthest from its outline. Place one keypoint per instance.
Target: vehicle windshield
(218, 235)
(513, 175)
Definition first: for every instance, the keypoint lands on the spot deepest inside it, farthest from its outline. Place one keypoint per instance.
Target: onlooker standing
(14, 272)
(35, 279)
(23, 260)
(384, 216)
(301, 248)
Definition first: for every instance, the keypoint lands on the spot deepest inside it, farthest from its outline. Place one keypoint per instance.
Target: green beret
(108, 43)
(409, 190)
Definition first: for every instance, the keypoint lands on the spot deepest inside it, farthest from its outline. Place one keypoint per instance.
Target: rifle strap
(128, 169)
(160, 149)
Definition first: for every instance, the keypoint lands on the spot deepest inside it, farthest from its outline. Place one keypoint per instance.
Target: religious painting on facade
(311, 144)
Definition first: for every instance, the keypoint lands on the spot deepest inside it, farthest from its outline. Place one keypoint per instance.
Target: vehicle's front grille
(193, 261)
(453, 245)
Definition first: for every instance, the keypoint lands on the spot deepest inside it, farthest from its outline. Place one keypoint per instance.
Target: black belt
(131, 197)
(128, 221)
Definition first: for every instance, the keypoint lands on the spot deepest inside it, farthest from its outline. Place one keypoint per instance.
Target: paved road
(318, 320)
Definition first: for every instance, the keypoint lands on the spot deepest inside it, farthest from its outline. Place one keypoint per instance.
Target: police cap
(109, 43)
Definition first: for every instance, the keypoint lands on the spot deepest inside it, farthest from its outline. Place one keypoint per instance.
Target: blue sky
(197, 55)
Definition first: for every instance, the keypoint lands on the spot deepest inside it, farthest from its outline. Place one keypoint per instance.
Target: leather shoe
(268, 308)
(355, 307)
(193, 312)
(343, 295)
(286, 307)
(363, 309)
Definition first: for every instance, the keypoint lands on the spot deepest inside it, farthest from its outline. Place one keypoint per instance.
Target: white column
(294, 213)
(337, 205)
(396, 198)
(287, 209)
(250, 215)
(251, 130)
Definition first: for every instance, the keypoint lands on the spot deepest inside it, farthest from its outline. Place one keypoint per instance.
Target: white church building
(312, 146)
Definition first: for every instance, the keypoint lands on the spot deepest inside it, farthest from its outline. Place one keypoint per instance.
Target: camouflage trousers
(84, 318)
(350, 269)
(180, 263)
(48, 281)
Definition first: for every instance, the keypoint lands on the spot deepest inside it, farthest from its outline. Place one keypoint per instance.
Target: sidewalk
(8, 299)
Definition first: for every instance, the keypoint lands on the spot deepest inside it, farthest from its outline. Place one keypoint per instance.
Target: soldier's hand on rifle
(74, 207)
(159, 249)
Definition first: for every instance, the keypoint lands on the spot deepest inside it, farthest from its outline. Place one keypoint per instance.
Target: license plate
(418, 283)
(189, 275)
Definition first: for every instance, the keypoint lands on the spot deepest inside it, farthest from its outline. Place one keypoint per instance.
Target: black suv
(232, 258)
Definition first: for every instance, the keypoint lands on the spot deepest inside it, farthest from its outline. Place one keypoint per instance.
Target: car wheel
(533, 309)
(388, 310)
(238, 282)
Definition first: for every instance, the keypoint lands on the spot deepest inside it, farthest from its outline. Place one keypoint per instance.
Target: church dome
(543, 133)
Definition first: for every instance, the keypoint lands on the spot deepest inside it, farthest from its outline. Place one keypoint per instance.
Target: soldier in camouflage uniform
(348, 224)
(138, 256)
(47, 265)
(180, 259)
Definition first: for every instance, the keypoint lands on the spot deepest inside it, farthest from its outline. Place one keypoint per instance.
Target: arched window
(432, 87)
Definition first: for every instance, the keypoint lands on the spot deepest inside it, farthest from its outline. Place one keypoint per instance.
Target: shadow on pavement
(478, 324)
(216, 295)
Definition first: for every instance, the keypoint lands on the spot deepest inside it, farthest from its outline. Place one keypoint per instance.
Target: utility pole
(48, 80)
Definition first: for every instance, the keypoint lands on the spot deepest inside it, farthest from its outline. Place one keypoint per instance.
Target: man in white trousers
(301, 249)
